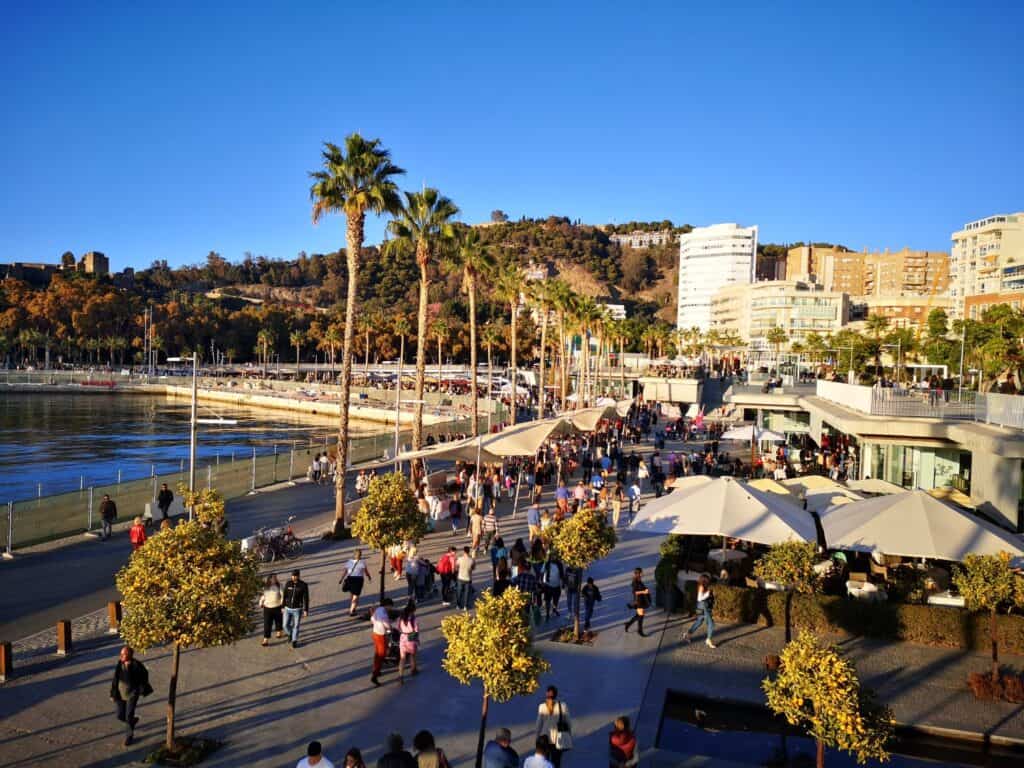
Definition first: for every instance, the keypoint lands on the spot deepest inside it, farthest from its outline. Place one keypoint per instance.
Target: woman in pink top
(409, 640)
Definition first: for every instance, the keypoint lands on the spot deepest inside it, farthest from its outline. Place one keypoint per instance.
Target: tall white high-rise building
(711, 258)
(987, 258)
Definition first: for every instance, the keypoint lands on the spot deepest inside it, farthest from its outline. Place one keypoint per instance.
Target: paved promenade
(267, 703)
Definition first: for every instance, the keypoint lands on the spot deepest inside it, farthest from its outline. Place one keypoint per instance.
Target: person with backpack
(552, 578)
(131, 680)
(446, 570)
(641, 601)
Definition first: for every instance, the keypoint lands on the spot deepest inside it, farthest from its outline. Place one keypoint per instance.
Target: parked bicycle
(271, 544)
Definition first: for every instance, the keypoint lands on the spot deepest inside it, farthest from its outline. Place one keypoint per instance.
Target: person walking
(499, 753)
(446, 570)
(553, 721)
(591, 595)
(396, 756)
(408, 641)
(476, 527)
(540, 757)
(131, 680)
(618, 496)
(622, 745)
(412, 573)
(353, 576)
(641, 601)
(296, 606)
(573, 578)
(354, 759)
(552, 576)
(137, 534)
(705, 605)
(464, 576)
(533, 521)
(108, 514)
(380, 627)
(455, 512)
(428, 754)
(163, 502)
(271, 601)
(490, 527)
(315, 757)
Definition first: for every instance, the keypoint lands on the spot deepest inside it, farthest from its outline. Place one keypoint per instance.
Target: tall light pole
(193, 422)
(963, 340)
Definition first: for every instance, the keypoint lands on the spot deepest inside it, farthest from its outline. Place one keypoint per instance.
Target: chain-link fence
(49, 517)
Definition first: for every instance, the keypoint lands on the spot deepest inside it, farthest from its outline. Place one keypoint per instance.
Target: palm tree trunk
(515, 370)
(475, 414)
(562, 364)
(540, 371)
(353, 244)
(366, 360)
(622, 367)
(421, 347)
(440, 373)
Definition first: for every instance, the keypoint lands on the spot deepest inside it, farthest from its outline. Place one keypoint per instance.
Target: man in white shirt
(381, 627)
(314, 757)
(539, 759)
(634, 500)
(464, 577)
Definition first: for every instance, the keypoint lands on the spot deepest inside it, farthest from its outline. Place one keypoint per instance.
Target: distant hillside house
(617, 311)
(639, 239)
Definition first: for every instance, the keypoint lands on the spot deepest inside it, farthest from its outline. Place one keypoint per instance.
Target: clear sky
(166, 130)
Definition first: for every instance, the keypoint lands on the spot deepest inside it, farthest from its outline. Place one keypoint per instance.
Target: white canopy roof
(874, 485)
(722, 506)
(915, 524)
(750, 432)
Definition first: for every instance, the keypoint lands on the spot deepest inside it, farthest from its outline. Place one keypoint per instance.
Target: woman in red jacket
(137, 534)
(622, 745)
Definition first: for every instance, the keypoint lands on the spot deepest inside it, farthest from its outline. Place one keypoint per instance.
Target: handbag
(346, 584)
(563, 735)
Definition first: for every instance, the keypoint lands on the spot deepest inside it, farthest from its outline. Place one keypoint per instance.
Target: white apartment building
(987, 257)
(641, 239)
(711, 258)
(799, 308)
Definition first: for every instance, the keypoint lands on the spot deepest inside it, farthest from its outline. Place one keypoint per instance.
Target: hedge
(925, 624)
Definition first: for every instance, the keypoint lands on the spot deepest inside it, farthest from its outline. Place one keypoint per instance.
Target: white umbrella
(751, 432)
(702, 506)
(915, 524)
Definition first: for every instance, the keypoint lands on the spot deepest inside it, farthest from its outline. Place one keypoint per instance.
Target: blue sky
(170, 131)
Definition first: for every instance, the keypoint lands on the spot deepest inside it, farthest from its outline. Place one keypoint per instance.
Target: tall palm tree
(440, 331)
(356, 179)
(365, 326)
(541, 297)
(563, 300)
(297, 339)
(876, 325)
(490, 336)
(507, 287)
(472, 259)
(423, 225)
(264, 338)
(332, 340)
(587, 315)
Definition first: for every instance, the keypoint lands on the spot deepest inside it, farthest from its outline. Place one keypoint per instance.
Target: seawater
(64, 440)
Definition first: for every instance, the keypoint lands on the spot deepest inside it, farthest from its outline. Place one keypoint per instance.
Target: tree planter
(188, 751)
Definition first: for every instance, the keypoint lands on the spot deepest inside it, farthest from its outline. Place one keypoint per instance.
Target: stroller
(393, 654)
(426, 586)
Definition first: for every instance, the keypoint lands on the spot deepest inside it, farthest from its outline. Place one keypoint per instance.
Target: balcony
(903, 402)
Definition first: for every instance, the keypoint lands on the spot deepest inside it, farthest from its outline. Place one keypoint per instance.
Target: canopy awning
(722, 506)
(915, 524)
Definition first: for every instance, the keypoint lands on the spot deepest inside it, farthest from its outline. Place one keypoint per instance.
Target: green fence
(50, 517)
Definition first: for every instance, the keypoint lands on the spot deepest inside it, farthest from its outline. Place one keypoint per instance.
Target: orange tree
(790, 563)
(189, 587)
(817, 688)
(388, 516)
(495, 647)
(987, 584)
(583, 539)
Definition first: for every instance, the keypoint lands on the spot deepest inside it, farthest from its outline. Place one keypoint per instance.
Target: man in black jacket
(397, 756)
(296, 605)
(163, 502)
(108, 513)
(131, 680)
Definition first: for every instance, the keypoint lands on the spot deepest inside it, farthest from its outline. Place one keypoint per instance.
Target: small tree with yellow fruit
(190, 587)
(495, 647)
(817, 688)
(791, 564)
(583, 539)
(986, 583)
(388, 516)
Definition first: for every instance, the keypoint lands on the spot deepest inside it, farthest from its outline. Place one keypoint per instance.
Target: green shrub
(923, 624)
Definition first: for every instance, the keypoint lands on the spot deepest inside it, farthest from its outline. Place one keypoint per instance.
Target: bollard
(8, 551)
(291, 463)
(209, 476)
(252, 487)
(118, 476)
(114, 617)
(63, 637)
(89, 527)
(6, 662)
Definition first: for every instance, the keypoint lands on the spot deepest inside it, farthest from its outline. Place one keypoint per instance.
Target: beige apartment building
(987, 257)
(800, 308)
(881, 273)
(904, 311)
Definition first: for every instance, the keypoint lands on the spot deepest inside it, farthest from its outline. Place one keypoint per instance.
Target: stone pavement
(267, 703)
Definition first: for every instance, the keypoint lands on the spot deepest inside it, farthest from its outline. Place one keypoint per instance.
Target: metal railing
(1004, 410)
(922, 403)
(42, 518)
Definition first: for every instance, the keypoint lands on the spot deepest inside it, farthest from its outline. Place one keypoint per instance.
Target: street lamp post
(193, 422)
(963, 341)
